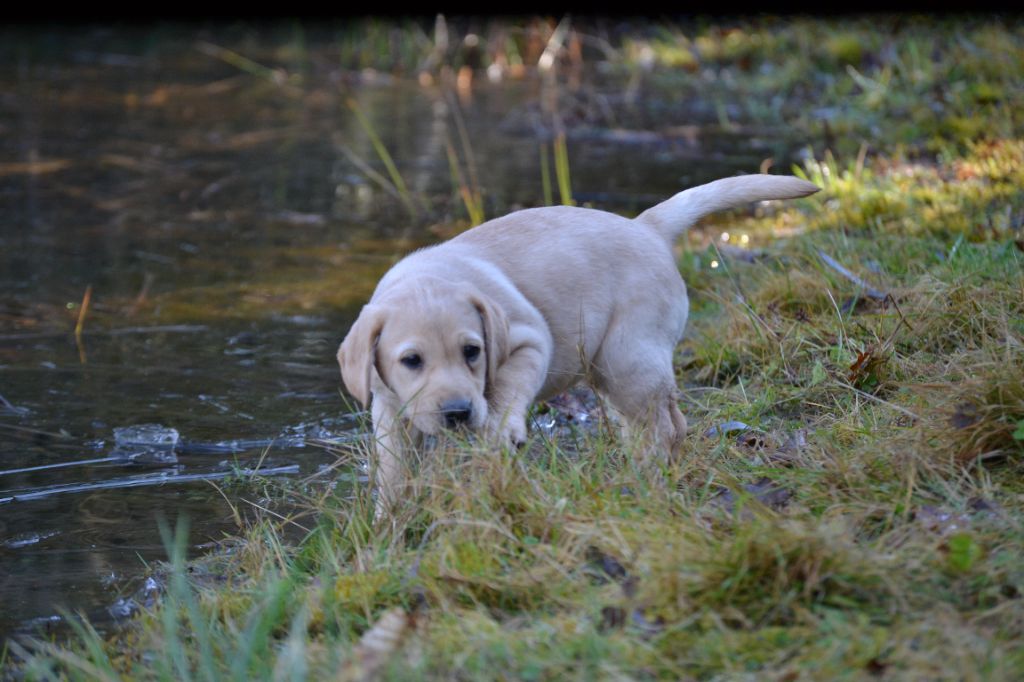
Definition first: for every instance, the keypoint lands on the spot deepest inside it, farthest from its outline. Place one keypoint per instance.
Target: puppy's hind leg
(641, 386)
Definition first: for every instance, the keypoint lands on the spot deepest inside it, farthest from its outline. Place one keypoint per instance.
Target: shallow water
(226, 226)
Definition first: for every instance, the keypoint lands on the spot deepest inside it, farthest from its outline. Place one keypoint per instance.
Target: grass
(382, 152)
(889, 79)
(867, 523)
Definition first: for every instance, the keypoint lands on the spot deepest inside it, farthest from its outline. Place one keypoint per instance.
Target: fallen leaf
(603, 565)
(864, 370)
(755, 440)
(964, 415)
(378, 644)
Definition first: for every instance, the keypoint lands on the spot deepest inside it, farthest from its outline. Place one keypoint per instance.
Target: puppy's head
(434, 347)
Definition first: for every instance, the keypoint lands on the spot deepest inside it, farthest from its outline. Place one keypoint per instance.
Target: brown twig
(83, 311)
(147, 282)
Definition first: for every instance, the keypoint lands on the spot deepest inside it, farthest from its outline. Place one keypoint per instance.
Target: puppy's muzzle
(457, 413)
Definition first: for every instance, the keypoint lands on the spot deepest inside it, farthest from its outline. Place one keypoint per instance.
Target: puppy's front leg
(390, 443)
(517, 383)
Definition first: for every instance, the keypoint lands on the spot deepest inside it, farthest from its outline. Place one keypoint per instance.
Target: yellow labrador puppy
(469, 332)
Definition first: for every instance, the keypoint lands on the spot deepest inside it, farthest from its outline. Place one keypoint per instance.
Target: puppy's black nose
(456, 412)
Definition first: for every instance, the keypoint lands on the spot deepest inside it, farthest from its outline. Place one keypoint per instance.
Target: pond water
(227, 225)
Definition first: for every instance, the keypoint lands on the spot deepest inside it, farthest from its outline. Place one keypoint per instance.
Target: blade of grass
(467, 147)
(385, 157)
(180, 592)
(562, 170)
(368, 170)
(471, 200)
(263, 618)
(545, 176)
(242, 63)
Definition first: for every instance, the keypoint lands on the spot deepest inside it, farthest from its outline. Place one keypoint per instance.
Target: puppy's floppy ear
(495, 335)
(357, 355)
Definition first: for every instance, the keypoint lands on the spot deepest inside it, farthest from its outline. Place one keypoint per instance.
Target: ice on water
(146, 443)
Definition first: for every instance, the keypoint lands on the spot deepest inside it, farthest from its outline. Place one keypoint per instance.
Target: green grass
(890, 80)
(869, 526)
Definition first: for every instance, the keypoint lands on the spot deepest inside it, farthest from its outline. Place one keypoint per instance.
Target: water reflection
(229, 224)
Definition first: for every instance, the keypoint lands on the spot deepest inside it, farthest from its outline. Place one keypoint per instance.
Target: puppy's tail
(672, 217)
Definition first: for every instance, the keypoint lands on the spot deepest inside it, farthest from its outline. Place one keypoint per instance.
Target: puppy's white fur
(473, 330)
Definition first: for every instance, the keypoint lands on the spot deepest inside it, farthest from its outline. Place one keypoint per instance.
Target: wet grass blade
(470, 199)
(243, 63)
(562, 170)
(545, 176)
(467, 149)
(469, 192)
(368, 170)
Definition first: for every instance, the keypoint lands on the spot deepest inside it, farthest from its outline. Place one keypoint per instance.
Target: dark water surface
(228, 229)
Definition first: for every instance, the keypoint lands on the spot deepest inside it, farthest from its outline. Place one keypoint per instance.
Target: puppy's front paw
(510, 433)
(515, 436)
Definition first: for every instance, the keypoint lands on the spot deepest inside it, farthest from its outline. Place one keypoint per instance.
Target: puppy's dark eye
(471, 352)
(412, 361)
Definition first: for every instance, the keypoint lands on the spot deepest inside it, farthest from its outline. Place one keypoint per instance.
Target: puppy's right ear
(495, 324)
(357, 355)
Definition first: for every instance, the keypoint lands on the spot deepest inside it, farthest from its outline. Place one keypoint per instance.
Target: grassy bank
(849, 500)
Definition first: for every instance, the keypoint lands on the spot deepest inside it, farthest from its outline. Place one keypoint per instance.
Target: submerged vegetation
(849, 501)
